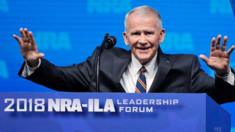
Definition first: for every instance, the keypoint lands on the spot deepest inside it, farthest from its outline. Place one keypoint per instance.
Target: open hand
(28, 46)
(219, 57)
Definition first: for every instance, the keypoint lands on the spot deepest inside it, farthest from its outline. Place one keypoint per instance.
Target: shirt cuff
(27, 70)
(229, 78)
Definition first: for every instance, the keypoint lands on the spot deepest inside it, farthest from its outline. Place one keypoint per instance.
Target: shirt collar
(136, 65)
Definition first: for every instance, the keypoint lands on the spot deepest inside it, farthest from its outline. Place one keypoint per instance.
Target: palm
(219, 58)
(28, 50)
(28, 45)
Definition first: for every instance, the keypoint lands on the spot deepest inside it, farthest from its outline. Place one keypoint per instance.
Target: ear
(162, 35)
(124, 34)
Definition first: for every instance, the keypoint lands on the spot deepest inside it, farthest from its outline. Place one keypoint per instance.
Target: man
(143, 69)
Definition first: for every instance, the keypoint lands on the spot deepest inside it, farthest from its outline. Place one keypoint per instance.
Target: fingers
(26, 38)
(18, 39)
(204, 58)
(22, 33)
(230, 50)
(32, 40)
(217, 45)
(223, 47)
(26, 41)
(25, 34)
(212, 44)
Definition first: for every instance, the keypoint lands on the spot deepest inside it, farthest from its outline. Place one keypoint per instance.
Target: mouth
(143, 49)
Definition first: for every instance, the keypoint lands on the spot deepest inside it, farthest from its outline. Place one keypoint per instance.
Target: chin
(144, 60)
(144, 56)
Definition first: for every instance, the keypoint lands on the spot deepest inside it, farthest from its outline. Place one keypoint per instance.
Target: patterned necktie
(141, 82)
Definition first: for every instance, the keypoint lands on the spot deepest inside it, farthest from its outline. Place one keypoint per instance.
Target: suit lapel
(120, 65)
(164, 66)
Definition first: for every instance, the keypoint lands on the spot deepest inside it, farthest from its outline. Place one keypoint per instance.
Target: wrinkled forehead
(136, 19)
(142, 13)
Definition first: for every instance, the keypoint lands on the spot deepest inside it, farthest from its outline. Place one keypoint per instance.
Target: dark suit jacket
(176, 74)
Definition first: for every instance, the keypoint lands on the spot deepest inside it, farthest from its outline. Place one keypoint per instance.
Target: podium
(111, 112)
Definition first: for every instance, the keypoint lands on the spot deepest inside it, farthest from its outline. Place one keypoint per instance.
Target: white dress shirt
(130, 76)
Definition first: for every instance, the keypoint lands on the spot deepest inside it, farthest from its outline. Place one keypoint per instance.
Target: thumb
(204, 58)
(231, 50)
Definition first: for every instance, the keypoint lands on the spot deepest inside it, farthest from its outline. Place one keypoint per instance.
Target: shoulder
(119, 52)
(182, 60)
(181, 57)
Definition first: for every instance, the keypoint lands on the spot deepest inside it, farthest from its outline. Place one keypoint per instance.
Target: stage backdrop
(67, 31)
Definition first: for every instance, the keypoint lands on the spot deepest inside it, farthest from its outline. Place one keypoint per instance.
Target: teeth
(142, 48)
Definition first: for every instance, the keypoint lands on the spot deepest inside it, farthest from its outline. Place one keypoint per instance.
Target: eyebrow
(139, 31)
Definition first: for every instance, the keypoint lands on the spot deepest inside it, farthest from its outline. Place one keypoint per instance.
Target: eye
(135, 33)
(148, 32)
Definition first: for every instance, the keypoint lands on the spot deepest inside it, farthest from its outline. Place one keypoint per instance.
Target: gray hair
(145, 11)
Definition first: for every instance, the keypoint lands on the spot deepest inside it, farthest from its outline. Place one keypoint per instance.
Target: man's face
(144, 35)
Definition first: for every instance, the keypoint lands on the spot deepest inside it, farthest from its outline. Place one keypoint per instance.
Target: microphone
(108, 42)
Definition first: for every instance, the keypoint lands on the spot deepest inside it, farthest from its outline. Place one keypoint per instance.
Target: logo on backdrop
(108, 6)
(53, 40)
(89, 105)
(178, 42)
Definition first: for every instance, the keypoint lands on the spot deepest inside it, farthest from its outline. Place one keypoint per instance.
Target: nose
(142, 40)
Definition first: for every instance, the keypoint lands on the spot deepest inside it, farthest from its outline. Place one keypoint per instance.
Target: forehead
(142, 22)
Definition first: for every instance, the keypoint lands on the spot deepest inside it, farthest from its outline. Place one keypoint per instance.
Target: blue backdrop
(67, 31)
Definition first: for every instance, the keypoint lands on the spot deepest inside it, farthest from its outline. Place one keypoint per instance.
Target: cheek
(155, 41)
(132, 41)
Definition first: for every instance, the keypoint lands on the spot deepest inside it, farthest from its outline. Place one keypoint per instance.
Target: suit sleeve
(220, 90)
(77, 77)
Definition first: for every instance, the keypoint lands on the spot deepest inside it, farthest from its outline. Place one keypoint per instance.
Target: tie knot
(143, 69)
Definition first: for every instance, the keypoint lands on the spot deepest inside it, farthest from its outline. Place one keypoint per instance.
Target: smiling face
(144, 34)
